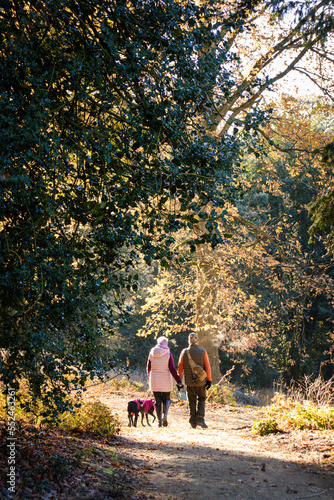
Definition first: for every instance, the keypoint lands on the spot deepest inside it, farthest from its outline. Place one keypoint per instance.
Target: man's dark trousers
(196, 400)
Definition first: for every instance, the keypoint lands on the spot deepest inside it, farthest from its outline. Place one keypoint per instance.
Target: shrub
(94, 417)
(265, 426)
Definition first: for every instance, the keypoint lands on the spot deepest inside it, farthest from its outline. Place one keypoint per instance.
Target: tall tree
(100, 106)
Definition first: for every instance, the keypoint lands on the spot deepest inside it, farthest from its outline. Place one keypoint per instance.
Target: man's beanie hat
(193, 338)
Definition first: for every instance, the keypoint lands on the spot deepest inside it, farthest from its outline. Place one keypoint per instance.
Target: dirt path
(225, 460)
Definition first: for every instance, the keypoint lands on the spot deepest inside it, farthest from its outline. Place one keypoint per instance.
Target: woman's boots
(158, 410)
(162, 420)
(165, 407)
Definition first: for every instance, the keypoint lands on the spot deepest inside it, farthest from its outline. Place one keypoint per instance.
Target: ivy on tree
(99, 107)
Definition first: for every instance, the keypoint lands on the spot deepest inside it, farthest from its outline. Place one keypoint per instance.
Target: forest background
(161, 171)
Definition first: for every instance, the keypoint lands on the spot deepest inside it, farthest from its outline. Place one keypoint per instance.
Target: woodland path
(224, 461)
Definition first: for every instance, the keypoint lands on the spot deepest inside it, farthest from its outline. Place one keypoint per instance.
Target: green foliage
(94, 417)
(264, 426)
(271, 290)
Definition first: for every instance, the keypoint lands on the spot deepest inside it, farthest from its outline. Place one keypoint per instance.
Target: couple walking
(161, 371)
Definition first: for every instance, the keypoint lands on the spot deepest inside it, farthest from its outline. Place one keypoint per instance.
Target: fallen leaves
(59, 464)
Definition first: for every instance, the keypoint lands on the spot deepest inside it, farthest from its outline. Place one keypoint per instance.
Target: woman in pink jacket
(161, 369)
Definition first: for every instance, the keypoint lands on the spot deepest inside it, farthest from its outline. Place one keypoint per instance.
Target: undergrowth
(89, 417)
(93, 417)
(311, 410)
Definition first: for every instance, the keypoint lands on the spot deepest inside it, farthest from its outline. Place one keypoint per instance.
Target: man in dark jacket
(196, 390)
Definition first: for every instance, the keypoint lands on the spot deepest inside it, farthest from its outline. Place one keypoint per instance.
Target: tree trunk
(206, 327)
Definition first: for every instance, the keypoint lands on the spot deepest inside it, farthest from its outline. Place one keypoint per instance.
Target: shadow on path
(223, 461)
